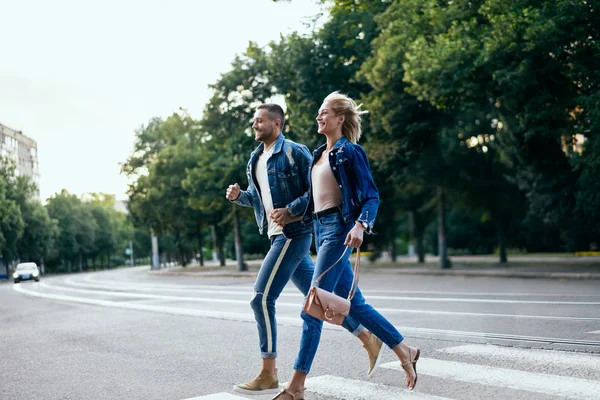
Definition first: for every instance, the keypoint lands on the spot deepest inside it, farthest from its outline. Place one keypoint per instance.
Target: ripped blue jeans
(287, 259)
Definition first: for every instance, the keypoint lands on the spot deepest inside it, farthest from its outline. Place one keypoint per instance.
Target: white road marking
(342, 388)
(493, 301)
(350, 389)
(554, 385)
(595, 332)
(294, 321)
(490, 335)
(147, 296)
(298, 304)
(219, 396)
(144, 307)
(476, 314)
(541, 358)
(90, 278)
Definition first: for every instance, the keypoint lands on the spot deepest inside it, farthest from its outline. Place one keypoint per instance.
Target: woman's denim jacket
(287, 171)
(350, 167)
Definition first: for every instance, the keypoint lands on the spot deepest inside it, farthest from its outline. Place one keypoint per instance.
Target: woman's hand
(355, 236)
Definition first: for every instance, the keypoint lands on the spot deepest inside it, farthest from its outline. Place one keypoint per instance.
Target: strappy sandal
(412, 360)
(299, 395)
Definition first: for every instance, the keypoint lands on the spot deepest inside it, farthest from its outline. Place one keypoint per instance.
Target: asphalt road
(129, 334)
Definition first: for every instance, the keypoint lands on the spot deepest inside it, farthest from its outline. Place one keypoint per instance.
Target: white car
(26, 271)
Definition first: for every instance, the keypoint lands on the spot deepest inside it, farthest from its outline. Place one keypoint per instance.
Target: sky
(79, 76)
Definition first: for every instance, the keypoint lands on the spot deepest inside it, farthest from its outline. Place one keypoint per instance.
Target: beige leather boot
(264, 383)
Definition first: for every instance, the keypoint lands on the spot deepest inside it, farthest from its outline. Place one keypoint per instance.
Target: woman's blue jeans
(287, 259)
(330, 234)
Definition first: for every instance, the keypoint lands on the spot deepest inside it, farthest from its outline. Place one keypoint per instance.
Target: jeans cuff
(358, 330)
(396, 343)
(268, 355)
(305, 370)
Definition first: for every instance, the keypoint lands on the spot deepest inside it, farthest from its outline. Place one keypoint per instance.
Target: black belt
(327, 211)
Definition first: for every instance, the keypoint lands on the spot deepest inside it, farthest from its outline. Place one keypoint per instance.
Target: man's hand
(233, 192)
(282, 216)
(355, 236)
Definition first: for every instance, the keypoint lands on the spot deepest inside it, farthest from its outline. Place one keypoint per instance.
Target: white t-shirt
(325, 190)
(265, 189)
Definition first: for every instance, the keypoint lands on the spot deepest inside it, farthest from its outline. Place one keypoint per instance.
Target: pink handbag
(328, 306)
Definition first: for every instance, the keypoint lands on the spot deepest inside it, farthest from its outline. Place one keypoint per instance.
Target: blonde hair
(344, 105)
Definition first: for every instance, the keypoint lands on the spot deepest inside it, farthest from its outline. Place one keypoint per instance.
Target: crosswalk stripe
(218, 396)
(555, 385)
(539, 357)
(595, 332)
(349, 389)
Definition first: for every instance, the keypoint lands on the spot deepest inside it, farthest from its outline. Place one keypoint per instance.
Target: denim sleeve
(303, 158)
(245, 199)
(368, 195)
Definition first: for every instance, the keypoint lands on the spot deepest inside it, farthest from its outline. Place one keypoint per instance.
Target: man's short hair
(275, 112)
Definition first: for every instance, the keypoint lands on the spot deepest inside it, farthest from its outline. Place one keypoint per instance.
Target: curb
(206, 274)
(382, 271)
(495, 274)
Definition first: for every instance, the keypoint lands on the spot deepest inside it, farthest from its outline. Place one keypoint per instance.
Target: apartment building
(23, 151)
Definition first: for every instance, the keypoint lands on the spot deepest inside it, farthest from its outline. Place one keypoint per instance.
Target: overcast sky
(79, 76)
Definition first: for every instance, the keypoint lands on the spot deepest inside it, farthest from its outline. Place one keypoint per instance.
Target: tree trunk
(411, 233)
(218, 244)
(239, 250)
(182, 256)
(502, 243)
(200, 243)
(392, 238)
(155, 256)
(213, 230)
(442, 247)
(221, 250)
(419, 232)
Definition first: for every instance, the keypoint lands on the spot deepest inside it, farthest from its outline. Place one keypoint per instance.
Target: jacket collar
(340, 143)
(278, 143)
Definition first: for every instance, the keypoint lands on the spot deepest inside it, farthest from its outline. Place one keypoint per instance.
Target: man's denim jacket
(350, 166)
(287, 171)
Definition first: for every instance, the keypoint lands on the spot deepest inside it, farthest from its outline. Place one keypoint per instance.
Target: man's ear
(342, 118)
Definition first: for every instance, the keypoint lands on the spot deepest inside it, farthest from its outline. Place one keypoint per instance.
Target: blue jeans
(287, 258)
(331, 233)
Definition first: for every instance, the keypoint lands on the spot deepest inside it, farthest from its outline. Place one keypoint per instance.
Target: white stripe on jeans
(264, 300)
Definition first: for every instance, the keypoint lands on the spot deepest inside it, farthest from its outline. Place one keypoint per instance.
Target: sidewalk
(482, 266)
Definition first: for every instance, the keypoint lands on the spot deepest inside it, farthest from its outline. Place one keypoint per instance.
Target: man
(278, 191)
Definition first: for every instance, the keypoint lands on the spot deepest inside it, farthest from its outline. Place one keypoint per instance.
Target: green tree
(77, 229)
(227, 142)
(157, 200)
(39, 235)
(16, 196)
(528, 67)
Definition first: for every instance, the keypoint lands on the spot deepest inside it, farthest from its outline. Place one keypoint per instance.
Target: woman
(345, 202)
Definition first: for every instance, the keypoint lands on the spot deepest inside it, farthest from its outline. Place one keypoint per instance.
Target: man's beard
(264, 134)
